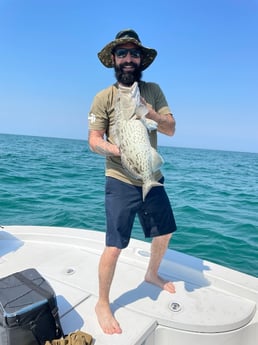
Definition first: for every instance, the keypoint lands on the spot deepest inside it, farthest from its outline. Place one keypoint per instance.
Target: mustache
(128, 64)
(128, 78)
(119, 68)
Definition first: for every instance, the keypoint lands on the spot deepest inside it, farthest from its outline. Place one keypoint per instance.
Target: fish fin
(147, 187)
(151, 125)
(156, 160)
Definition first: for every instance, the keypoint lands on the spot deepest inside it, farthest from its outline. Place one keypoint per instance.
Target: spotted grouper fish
(138, 157)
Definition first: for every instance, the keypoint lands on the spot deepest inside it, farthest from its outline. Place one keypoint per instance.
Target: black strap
(36, 288)
(46, 294)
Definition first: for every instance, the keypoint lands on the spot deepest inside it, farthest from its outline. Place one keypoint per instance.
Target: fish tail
(147, 187)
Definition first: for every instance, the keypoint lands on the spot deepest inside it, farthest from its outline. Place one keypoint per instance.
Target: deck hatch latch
(175, 307)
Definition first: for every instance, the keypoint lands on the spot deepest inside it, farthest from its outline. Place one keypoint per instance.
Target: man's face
(127, 63)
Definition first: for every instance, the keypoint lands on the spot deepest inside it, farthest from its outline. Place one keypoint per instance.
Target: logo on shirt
(92, 118)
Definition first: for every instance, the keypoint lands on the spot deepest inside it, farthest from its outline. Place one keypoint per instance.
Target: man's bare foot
(106, 319)
(163, 284)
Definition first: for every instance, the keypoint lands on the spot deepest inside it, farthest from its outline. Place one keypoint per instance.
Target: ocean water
(214, 194)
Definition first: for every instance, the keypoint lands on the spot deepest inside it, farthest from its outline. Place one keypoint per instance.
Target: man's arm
(166, 123)
(99, 145)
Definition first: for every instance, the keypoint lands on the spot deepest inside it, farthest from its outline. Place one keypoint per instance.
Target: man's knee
(163, 238)
(113, 252)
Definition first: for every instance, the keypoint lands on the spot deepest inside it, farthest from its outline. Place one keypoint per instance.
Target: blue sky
(207, 65)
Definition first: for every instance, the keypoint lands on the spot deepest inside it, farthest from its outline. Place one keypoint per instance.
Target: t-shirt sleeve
(160, 99)
(98, 119)
(155, 96)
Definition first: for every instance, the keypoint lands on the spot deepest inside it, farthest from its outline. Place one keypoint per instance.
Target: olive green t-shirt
(102, 117)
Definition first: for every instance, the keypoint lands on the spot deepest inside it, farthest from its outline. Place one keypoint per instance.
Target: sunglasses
(122, 53)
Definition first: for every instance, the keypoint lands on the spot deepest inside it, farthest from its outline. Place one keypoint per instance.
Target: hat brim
(105, 55)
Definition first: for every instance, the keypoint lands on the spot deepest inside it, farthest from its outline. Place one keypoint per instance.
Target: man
(123, 193)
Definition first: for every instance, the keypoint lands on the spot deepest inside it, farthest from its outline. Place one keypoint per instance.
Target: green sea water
(214, 194)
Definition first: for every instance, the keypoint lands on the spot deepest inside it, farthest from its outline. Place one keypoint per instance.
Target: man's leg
(107, 267)
(158, 248)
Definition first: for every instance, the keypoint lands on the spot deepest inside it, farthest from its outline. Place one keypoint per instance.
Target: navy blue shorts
(123, 202)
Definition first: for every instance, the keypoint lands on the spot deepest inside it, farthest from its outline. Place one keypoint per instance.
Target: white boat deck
(212, 304)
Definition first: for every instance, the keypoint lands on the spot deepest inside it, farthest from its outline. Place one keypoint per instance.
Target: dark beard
(128, 78)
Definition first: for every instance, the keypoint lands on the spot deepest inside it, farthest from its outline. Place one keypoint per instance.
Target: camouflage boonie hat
(125, 36)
